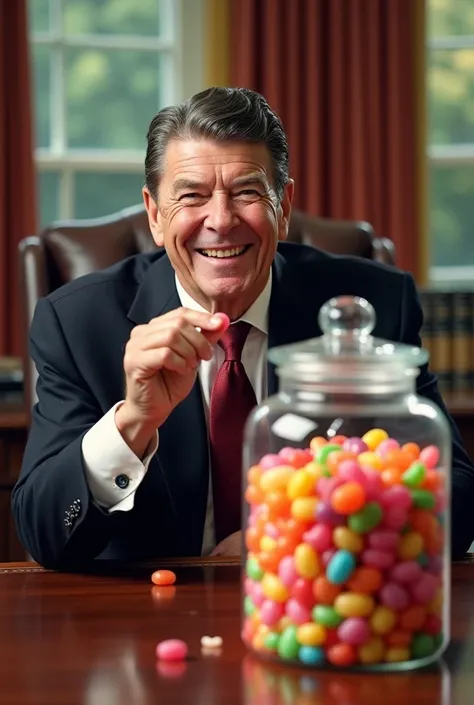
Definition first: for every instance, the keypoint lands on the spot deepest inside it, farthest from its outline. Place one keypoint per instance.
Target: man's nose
(221, 215)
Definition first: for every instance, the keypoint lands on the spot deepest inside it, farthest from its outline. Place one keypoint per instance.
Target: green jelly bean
(438, 640)
(423, 560)
(414, 476)
(367, 519)
(324, 451)
(422, 645)
(424, 499)
(288, 646)
(271, 641)
(325, 615)
(249, 607)
(253, 569)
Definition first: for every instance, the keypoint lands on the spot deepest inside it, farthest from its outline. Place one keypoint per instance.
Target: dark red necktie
(232, 400)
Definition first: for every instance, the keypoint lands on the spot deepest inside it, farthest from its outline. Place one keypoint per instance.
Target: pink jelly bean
(271, 612)
(258, 597)
(406, 572)
(327, 555)
(424, 590)
(248, 586)
(394, 518)
(378, 559)
(298, 613)
(386, 446)
(350, 471)
(326, 514)
(319, 537)
(326, 486)
(354, 630)
(396, 496)
(287, 571)
(355, 445)
(435, 565)
(429, 456)
(172, 650)
(394, 596)
(440, 504)
(270, 461)
(297, 457)
(272, 531)
(373, 485)
(383, 539)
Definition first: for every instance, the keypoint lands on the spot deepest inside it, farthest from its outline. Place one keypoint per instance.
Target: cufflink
(122, 481)
(71, 514)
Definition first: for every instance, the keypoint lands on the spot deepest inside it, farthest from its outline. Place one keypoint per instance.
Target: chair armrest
(384, 250)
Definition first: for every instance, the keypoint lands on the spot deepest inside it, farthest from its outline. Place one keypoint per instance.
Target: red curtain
(343, 76)
(17, 172)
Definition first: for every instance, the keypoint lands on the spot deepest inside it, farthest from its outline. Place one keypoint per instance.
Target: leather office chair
(69, 249)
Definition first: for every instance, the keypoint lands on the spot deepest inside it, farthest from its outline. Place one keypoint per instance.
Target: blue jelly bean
(311, 655)
(340, 567)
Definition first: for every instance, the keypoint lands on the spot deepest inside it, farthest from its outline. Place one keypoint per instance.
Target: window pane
(111, 97)
(38, 15)
(41, 57)
(452, 215)
(111, 17)
(451, 90)
(98, 193)
(48, 192)
(450, 18)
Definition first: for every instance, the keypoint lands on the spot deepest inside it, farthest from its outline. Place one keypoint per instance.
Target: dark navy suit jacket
(77, 341)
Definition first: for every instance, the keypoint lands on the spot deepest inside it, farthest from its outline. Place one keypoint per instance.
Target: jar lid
(347, 323)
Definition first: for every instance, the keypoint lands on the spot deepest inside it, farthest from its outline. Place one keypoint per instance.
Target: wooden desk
(90, 640)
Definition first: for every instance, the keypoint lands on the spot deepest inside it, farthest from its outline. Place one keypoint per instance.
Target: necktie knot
(233, 341)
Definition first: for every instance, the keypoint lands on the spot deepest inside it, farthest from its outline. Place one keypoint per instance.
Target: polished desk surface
(90, 640)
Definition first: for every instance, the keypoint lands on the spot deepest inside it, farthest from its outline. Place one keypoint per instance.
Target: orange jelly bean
(365, 580)
(412, 449)
(392, 476)
(252, 539)
(253, 495)
(325, 592)
(278, 503)
(412, 619)
(397, 459)
(398, 638)
(348, 498)
(341, 655)
(254, 474)
(163, 577)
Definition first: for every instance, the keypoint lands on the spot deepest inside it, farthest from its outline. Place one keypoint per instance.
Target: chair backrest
(67, 250)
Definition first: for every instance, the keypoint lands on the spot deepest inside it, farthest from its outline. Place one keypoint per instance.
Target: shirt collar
(256, 314)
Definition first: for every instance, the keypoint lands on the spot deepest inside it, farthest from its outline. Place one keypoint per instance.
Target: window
(101, 70)
(451, 138)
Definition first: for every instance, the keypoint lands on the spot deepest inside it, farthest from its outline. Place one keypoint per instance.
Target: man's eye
(248, 192)
(190, 196)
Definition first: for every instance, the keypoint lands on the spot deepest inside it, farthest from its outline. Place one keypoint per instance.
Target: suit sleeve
(56, 516)
(462, 468)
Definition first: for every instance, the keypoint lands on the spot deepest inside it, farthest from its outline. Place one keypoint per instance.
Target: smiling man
(152, 467)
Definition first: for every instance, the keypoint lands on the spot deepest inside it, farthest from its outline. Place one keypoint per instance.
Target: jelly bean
(366, 519)
(429, 456)
(276, 478)
(326, 514)
(341, 655)
(397, 654)
(257, 595)
(284, 623)
(423, 499)
(386, 446)
(253, 569)
(422, 645)
(352, 604)
(267, 543)
(319, 537)
(252, 539)
(271, 641)
(412, 449)
(355, 445)
(337, 459)
(374, 438)
(425, 588)
(413, 618)
(273, 588)
(423, 559)
(373, 485)
(370, 460)
(348, 498)
(339, 439)
(296, 457)
(435, 565)
(254, 495)
(327, 556)
(396, 497)
(414, 476)
(406, 572)
(432, 480)
(398, 638)
(394, 596)
(394, 518)
(365, 580)
(301, 484)
(326, 486)
(432, 624)
(303, 508)
(340, 567)
(383, 540)
(288, 646)
(311, 634)
(302, 591)
(316, 443)
(172, 650)
(270, 560)
(325, 592)
(410, 546)
(323, 452)
(398, 459)
(383, 620)
(271, 530)
(354, 630)
(249, 607)
(391, 476)
(253, 475)
(270, 461)
(346, 539)
(377, 559)
(311, 656)
(298, 613)
(315, 470)
(307, 561)
(350, 471)
(271, 612)
(163, 577)
(287, 571)
(372, 651)
(326, 616)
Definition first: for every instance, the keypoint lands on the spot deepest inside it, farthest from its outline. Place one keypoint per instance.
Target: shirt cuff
(106, 456)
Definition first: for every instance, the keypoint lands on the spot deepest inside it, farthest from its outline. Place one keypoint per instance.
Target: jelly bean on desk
(172, 650)
(163, 577)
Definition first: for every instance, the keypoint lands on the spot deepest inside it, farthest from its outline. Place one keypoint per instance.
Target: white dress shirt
(105, 453)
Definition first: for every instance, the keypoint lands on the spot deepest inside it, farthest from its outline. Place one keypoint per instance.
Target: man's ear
(154, 216)
(285, 209)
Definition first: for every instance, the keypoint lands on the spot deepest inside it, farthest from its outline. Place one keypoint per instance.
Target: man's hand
(160, 363)
(230, 546)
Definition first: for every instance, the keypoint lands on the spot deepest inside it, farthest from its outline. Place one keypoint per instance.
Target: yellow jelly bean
(436, 604)
(276, 478)
(410, 546)
(255, 619)
(382, 620)
(311, 634)
(303, 508)
(348, 540)
(353, 604)
(374, 438)
(315, 470)
(397, 654)
(273, 588)
(307, 561)
(267, 544)
(283, 623)
(301, 484)
(372, 651)
(258, 642)
(370, 460)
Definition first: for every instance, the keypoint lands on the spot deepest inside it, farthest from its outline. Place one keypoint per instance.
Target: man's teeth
(234, 252)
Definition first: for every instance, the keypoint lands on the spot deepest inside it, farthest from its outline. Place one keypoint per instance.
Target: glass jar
(347, 504)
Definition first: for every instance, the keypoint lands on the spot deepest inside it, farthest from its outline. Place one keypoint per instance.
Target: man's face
(219, 219)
